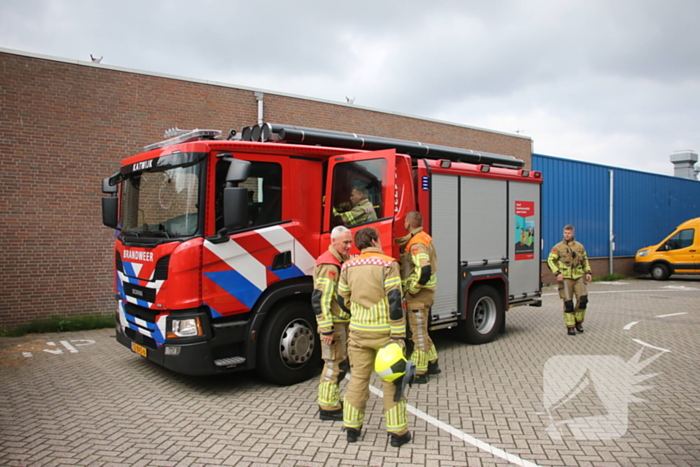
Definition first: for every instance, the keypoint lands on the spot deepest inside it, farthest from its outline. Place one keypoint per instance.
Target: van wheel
(289, 351)
(485, 315)
(660, 272)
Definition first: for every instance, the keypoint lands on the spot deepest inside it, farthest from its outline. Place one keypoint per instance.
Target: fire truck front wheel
(289, 350)
(485, 315)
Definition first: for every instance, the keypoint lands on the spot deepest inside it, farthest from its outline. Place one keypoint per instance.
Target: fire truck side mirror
(109, 211)
(110, 204)
(110, 184)
(236, 198)
(238, 170)
(107, 188)
(235, 207)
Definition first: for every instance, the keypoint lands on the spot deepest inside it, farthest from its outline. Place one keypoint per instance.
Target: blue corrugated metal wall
(646, 207)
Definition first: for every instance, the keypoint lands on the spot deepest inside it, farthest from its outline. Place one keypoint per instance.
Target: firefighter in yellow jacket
(332, 322)
(361, 211)
(418, 273)
(370, 287)
(569, 263)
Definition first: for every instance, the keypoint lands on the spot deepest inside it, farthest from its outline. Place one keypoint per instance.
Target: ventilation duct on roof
(684, 164)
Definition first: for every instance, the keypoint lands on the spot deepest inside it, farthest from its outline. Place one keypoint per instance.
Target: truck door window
(682, 239)
(357, 192)
(264, 193)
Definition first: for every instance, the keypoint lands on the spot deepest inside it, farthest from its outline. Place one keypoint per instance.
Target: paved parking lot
(533, 397)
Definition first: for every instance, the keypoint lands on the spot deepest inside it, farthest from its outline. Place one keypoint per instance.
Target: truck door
(681, 250)
(360, 192)
(238, 271)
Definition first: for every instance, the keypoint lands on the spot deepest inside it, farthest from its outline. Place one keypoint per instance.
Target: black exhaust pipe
(373, 143)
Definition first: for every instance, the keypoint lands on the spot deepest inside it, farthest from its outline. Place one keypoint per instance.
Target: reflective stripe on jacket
(569, 259)
(324, 298)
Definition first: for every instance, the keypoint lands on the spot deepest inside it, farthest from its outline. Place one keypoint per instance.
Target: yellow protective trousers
(362, 350)
(333, 355)
(568, 288)
(423, 348)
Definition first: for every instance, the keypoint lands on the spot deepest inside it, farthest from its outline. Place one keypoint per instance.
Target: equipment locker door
(445, 233)
(524, 240)
(483, 221)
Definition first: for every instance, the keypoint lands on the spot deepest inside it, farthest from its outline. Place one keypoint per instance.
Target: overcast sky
(615, 82)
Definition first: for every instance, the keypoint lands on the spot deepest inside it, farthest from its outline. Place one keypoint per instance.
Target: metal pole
(612, 233)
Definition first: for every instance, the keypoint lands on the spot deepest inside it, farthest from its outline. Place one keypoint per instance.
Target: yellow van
(678, 253)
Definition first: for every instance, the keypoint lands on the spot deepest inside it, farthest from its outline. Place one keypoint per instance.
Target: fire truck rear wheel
(485, 314)
(289, 351)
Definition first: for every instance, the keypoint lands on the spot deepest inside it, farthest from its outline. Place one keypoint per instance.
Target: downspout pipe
(612, 232)
(259, 97)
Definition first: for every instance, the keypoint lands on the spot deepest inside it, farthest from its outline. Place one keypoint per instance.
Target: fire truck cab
(217, 240)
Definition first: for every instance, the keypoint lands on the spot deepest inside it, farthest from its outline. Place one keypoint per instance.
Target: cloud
(613, 82)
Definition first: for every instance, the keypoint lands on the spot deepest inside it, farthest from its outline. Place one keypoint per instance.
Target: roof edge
(251, 89)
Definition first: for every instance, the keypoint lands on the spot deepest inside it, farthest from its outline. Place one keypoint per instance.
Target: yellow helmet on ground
(390, 363)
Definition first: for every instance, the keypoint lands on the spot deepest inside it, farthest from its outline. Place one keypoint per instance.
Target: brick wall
(65, 125)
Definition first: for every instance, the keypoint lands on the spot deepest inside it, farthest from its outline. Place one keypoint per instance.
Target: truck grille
(161, 272)
(139, 292)
(142, 313)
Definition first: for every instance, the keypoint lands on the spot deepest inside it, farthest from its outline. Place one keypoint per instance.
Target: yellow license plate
(139, 349)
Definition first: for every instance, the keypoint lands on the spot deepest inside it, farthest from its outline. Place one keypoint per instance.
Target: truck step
(230, 361)
(443, 325)
(230, 324)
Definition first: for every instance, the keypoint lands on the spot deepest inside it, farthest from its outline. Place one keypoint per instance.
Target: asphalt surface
(535, 396)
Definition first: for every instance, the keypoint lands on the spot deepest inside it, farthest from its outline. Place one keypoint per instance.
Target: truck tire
(659, 272)
(289, 351)
(485, 315)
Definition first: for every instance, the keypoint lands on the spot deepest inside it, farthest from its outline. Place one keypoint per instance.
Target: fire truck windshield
(163, 202)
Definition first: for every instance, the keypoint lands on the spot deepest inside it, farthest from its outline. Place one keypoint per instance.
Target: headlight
(189, 327)
(643, 252)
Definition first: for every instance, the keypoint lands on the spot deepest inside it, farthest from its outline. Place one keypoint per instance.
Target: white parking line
(650, 346)
(462, 435)
(629, 326)
(672, 314)
(686, 289)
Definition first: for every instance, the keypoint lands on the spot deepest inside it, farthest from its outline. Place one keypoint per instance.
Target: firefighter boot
(399, 440)
(434, 368)
(579, 326)
(571, 331)
(421, 379)
(336, 415)
(352, 434)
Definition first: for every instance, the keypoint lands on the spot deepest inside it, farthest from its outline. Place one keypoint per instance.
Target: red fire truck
(217, 239)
